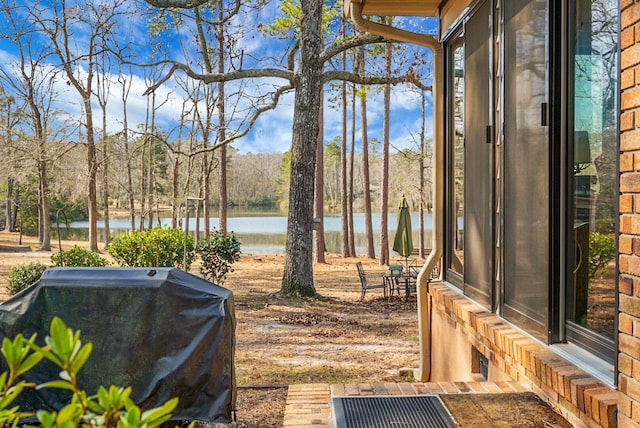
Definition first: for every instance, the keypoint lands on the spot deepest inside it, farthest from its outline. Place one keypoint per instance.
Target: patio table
(395, 278)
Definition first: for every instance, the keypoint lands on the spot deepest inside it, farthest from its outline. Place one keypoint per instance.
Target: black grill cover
(162, 331)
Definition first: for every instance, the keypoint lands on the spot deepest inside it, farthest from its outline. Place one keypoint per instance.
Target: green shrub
(217, 252)
(108, 408)
(126, 248)
(602, 250)
(78, 256)
(22, 276)
(158, 247)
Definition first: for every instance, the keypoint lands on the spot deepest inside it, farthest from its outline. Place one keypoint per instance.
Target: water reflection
(260, 232)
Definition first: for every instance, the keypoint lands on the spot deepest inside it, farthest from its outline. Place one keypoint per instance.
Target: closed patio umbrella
(403, 242)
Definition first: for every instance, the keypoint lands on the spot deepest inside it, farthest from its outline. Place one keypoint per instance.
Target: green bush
(158, 247)
(22, 276)
(78, 256)
(602, 250)
(108, 408)
(217, 252)
(126, 248)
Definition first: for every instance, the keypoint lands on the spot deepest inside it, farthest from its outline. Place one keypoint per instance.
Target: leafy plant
(78, 256)
(602, 250)
(217, 252)
(22, 276)
(153, 248)
(108, 408)
(126, 248)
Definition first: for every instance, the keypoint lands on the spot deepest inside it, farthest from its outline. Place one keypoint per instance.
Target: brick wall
(579, 397)
(629, 258)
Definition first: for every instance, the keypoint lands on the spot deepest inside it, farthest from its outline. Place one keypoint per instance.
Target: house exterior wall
(459, 326)
(629, 240)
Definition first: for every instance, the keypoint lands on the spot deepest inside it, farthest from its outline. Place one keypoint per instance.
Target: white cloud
(272, 131)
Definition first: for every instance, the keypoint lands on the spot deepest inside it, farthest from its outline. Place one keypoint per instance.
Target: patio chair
(370, 281)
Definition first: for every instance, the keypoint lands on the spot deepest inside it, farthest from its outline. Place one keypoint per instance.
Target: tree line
(60, 140)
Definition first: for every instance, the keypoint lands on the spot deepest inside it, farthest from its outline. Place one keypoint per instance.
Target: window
(592, 170)
(532, 219)
(526, 165)
(456, 258)
(471, 188)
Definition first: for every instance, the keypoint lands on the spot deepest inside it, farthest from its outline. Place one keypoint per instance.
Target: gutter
(424, 277)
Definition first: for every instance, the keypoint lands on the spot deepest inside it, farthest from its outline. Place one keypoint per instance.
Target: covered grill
(164, 332)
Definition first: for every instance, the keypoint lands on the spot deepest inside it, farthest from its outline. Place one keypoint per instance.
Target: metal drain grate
(416, 411)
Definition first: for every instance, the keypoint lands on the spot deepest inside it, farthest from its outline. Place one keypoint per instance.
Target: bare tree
(370, 250)
(222, 188)
(352, 172)
(318, 206)
(125, 84)
(344, 174)
(8, 121)
(308, 55)
(102, 94)
(384, 191)
(78, 60)
(32, 80)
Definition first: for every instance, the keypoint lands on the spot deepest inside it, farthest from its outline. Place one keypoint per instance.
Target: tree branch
(153, 88)
(219, 77)
(359, 40)
(254, 117)
(180, 4)
(348, 76)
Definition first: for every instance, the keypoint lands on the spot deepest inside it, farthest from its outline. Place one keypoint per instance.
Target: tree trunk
(45, 237)
(196, 230)
(222, 189)
(150, 183)
(151, 164)
(205, 192)
(175, 205)
(9, 225)
(384, 194)
(366, 182)
(318, 211)
(343, 155)
(344, 195)
(143, 171)
(352, 156)
(125, 135)
(92, 166)
(105, 179)
(16, 206)
(298, 266)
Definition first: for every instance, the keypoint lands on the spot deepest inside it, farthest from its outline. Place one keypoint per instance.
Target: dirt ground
(280, 341)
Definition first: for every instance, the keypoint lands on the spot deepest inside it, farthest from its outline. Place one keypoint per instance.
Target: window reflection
(591, 286)
(457, 259)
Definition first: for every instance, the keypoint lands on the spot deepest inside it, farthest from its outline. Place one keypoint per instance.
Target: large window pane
(457, 211)
(526, 164)
(592, 282)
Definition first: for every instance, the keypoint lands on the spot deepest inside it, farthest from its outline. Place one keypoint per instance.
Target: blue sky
(272, 132)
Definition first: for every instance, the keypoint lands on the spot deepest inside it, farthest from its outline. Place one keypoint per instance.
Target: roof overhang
(397, 7)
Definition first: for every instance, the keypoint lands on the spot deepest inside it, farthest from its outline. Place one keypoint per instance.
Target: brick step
(309, 405)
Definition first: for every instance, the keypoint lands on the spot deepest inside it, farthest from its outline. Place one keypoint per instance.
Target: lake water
(261, 232)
